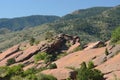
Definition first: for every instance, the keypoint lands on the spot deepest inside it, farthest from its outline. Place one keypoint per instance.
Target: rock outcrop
(73, 47)
(23, 53)
(94, 45)
(9, 52)
(111, 67)
(27, 54)
(15, 55)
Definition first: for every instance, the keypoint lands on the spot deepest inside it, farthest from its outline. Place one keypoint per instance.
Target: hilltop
(20, 23)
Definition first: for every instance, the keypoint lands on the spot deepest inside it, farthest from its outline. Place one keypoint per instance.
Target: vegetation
(40, 56)
(91, 65)
(106, 52)
(44, 56)
(11, 61)
(32, 41)
(78, 48)
(17, 73)
(52, 66)
(26, 22)
(85, 73)
(62, 55)
(49, 35)
(116, 36)
(49, 58)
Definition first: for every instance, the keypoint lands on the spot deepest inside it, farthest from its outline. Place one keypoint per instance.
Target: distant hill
(20, 23)
(90, 24)
(85, 13)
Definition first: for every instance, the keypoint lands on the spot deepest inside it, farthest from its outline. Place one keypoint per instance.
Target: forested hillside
(16, 24)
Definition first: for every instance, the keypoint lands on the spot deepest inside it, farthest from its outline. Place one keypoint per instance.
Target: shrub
(45, 77)
(60, 55)
(106, 52)
(29, 71)
(78, 48)
(32, 40)
(16, 78)
(4, 71)
(85, 73)
(48, 35)
(52, 66)
(40, 56)
(91, 65)
(11, 61)
(31, 77)
(48, 58)
(15, 70)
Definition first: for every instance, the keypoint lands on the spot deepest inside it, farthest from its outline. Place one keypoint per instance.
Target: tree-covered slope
(85, 13)
(20, 23)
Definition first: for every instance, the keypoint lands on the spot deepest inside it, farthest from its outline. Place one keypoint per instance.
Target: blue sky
(18, 8)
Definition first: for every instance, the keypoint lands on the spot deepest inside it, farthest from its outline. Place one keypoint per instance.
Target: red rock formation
(111, 67)
(73, 47)
(9, 52)
(94, 45)
(4, 61)
(27, 54)
(76, 58)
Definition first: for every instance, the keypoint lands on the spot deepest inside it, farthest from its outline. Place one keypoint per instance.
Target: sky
(19, 8)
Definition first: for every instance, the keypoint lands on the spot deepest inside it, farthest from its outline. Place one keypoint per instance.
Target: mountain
(90, 24)
(20, 23)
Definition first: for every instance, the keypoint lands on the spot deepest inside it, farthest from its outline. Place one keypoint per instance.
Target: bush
(4, 71)
(48, 35)
(52, 66)
(16, 78)
(29, 71)
(48, 58)
(32, 41)
(31, 77)
(91, 65)
(85, 73)
(15, 70)
(45, 77)
(11, 61)
(106, 52)
(40, 56)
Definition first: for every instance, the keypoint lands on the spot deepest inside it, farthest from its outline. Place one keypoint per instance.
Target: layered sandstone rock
(9, 52)
(94, 45)
(27, 54)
